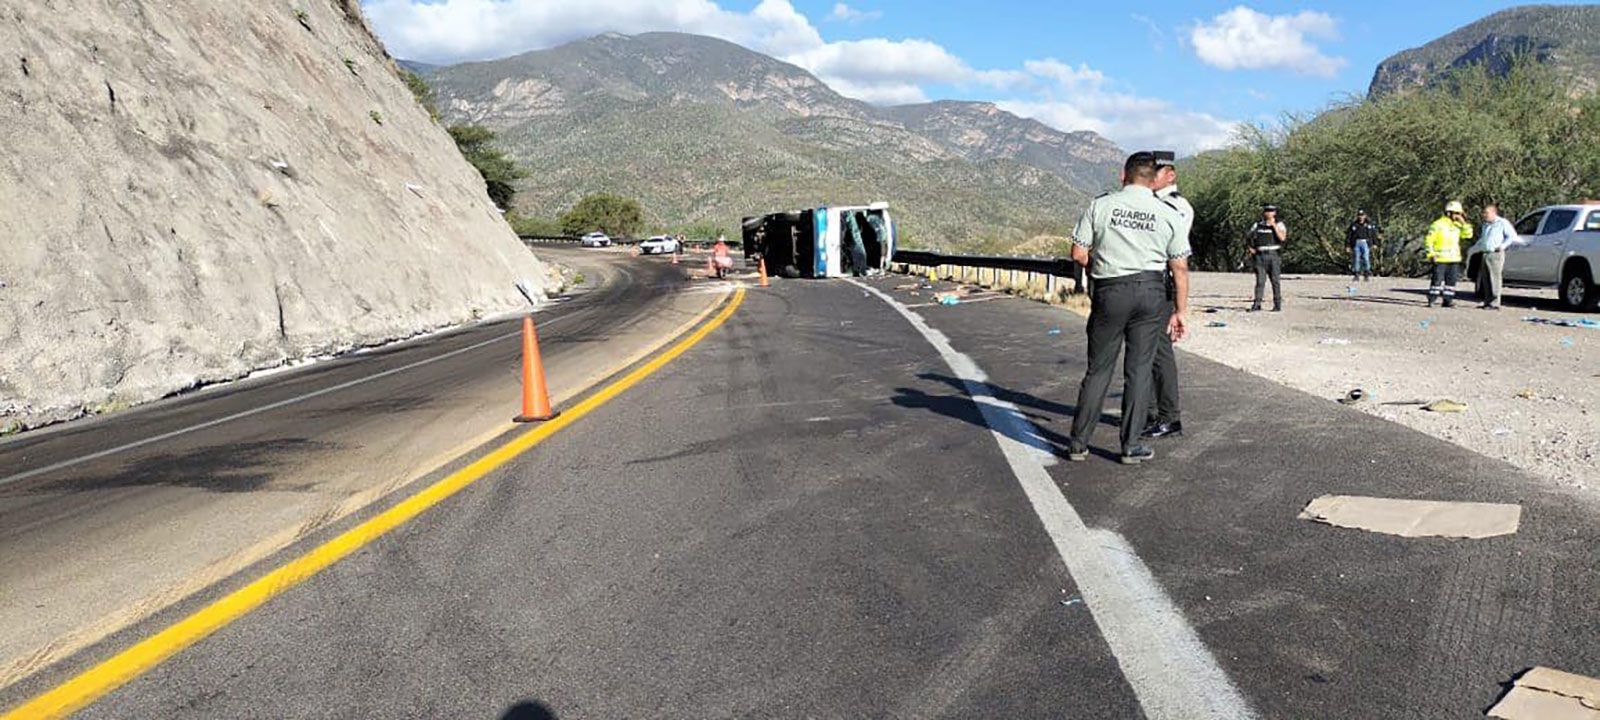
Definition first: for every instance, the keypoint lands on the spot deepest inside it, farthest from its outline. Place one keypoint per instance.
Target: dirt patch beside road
(1532, 391)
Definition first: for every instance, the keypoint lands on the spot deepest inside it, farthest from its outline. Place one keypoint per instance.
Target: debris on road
(1527, 394)
(1053, 331)
(1500, 431)
(1334, 341)
(1445, 405)
(1415, 518)
(1216, 324)
(1547, 694)
(1353, 397)
(1564, 322)
(948, 298)
(1071, 602)
(1425, 324)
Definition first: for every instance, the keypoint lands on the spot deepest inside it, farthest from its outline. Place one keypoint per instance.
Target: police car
(659, 245)
(1562, 252)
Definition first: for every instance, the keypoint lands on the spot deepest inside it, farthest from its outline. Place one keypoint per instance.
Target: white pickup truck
(1562, 252)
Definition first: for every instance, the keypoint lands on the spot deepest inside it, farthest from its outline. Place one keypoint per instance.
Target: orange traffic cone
(763, 267)
(535, 396)
(674, 257)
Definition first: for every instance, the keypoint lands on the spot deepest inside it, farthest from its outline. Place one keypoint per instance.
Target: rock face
(192, 191)
(1560, 35)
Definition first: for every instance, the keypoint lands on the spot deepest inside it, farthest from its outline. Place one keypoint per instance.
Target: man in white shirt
(1498, 234)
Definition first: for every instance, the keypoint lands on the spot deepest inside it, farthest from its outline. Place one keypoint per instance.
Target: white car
(660, 244)
(595, 239)
(1562, 252)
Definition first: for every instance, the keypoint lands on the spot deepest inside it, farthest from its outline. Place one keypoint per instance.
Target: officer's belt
(1147, 276)
(1269, 248)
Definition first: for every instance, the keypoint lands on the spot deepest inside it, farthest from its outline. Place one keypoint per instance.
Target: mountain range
(1563, 36)
(703, 131)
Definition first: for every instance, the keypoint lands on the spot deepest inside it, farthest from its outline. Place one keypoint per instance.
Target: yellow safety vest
(1444, 240)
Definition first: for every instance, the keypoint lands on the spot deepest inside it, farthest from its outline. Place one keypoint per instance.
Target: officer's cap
(1165, 158)
(1361, 212)
(1269, 207)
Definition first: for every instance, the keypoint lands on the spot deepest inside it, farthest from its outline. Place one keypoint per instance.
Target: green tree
(611, 214)
(1519, 138)
(422, 91)
(500, 173)
(524, 225)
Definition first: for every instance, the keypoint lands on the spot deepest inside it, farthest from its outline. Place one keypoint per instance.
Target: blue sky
(1170, 74)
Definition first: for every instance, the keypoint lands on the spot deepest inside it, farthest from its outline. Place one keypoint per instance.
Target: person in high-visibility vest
(1444, 251)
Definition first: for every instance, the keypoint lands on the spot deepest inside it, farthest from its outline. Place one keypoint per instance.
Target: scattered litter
(843, 323)
(1351, 290)
(1425, 324)
(1354, 396)
(1334, 341)
(948, 298)
(1212, 310)
(915, 294)
(1501, 431)
(1415, 518)
(1071, 602)
(1527, 394)
(865, 294)
(1407, 402)
(1566, 342)
(1216, 323)
(1445, 405)
(907, 286)
(1053, 331)
(1564, 322)
(1548, 694)
(2, 284)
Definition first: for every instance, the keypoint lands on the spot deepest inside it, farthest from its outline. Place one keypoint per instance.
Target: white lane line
(1171, 671)
(7, 480)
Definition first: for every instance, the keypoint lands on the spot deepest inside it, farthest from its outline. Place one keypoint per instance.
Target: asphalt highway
(847, 502)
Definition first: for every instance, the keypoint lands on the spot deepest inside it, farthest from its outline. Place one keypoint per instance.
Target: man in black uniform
(1264, 242)
(1128, 238)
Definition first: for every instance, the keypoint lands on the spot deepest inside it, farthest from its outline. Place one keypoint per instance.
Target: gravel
(1532, 391)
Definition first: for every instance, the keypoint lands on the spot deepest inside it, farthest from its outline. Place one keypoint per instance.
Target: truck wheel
(1577, 291)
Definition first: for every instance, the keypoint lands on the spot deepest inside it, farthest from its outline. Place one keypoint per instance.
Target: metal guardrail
(1030, 268)
(1057, 267)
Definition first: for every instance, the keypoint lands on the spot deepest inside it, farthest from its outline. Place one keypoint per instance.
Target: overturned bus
(822, 242)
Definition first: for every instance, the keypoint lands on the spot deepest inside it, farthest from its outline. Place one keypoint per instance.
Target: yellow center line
(118, 670)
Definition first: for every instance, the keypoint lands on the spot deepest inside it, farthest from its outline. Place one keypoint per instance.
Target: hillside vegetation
(704, 132)
(1561, 36)
(1479, 135)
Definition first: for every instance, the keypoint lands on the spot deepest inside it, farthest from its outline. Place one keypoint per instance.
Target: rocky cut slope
(191, 191)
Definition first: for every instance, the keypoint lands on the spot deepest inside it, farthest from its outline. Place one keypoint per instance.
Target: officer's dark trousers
(1164, 408)
(1128, 311)
(1269, 266)
(1445, 276)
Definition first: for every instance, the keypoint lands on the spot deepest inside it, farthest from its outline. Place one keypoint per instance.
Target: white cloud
(845, 13)
(456, 30)
(877, 70)
(1243, 38)
(1082, 98)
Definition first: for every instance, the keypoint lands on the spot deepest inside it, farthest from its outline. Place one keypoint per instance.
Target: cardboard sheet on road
(1546, 694)
(1415, 518)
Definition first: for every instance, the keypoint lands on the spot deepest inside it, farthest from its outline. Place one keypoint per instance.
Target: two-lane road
(833, 506)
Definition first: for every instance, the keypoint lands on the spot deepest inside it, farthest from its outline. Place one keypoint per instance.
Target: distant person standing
(1129, 239)
(1165, 416)
(1264, 244)
(1361, 236)
(721, 259)
(1498, 234)
(1444, 251)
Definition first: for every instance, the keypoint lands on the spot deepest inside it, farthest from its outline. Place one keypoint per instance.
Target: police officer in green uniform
(1264, 242)
(1129, 239)
(1165, 416)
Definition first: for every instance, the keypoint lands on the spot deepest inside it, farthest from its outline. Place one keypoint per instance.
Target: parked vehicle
(1563, 252)
(659, 245)
(595, 239)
